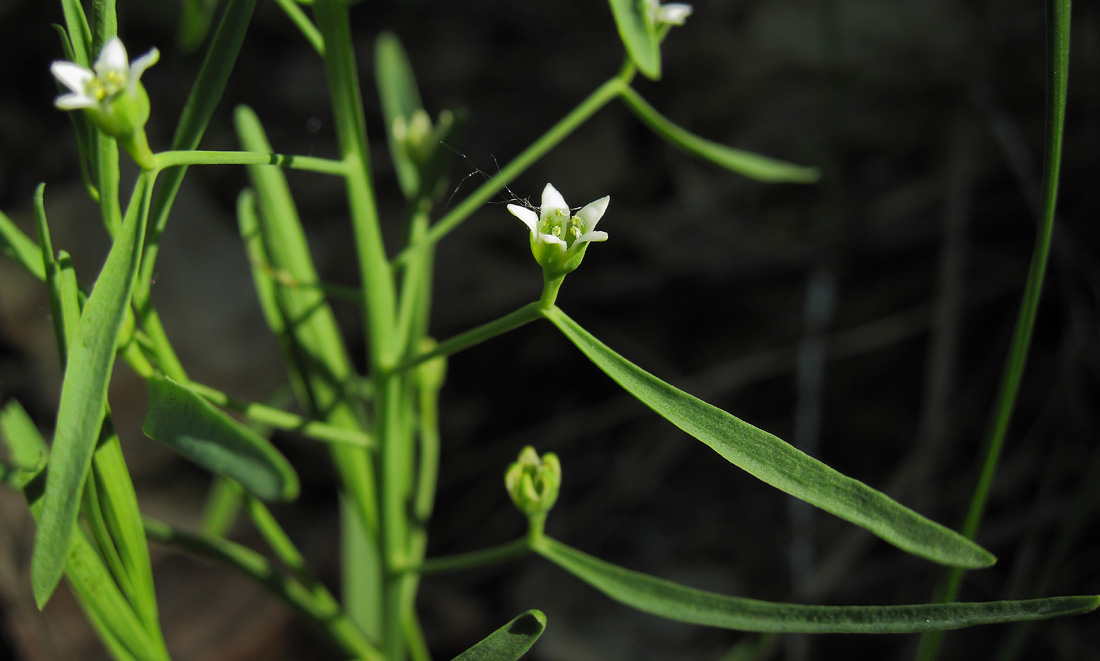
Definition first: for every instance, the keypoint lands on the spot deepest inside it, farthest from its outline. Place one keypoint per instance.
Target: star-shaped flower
(110, 92)
(558, 238)
(112, 74)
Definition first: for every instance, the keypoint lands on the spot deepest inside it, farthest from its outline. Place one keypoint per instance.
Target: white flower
(558, 238)
(112, 74)
(674, 13)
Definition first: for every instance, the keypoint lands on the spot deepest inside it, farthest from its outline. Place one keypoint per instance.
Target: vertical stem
(1058, 30)
(379, 313)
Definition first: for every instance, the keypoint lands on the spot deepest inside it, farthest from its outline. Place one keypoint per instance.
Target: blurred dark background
(865, 318)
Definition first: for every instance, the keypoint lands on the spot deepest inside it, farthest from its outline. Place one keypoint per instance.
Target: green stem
(167, 159)
(317, 606)
(489, 556)
(558, 132)
(510, 321)
(304, 25)
(1058, 33)
(280, 419)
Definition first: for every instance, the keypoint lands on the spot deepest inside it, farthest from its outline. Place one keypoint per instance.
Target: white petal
(72, 75)
(592, 212)
(75, 102)
(550, 238)
(113, 59)
(552, 201)
(527, 216)
(591, 237)
(142, 63)
(674, 13)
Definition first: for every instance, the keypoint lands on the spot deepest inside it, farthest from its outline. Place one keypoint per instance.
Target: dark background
(927, 117)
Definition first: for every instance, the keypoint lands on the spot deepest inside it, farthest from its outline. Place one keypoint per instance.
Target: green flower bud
(533, 482)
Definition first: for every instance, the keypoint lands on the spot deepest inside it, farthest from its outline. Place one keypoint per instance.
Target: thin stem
(510, 321)
(317, 606)
(558, 132)
(280, 419)
(167, 159)
(489, 556)
(304, 25)
(1058, 33)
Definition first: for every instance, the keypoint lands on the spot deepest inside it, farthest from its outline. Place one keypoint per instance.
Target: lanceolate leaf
(509, 642)
(192, 426)
(84, 396)
(639, 35)
(400, 99)
(779, 463)
(677, 602)
(755, 166)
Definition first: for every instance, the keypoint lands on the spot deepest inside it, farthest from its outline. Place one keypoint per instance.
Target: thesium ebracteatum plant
(372, 404)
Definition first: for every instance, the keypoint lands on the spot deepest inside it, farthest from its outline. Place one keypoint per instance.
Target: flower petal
(550, 238)
(113, 59)
(591, 237)
(72, 75)
(527, 216)
(674, 13)
(592, 212)
(552, 201)
(142, 63)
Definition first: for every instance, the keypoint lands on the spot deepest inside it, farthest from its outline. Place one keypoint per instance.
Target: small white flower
(558, 238)
(674, 13)
(112, 74)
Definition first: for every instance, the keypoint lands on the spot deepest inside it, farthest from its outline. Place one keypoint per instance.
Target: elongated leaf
(20, 248)
(26, 449)
(509, 642)
(192, 426)
(754, 166)
(778, 463)
(400, 99)
(677, 602)
(195, 19)
(639, 35)
(84, 396)
(114, 619)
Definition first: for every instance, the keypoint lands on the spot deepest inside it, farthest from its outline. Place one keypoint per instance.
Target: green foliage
(193, 427)
(509, 642)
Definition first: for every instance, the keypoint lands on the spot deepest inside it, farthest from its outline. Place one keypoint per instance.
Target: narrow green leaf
(195, 19)
(84, 395)
(117, 624)
(20, 248)
(639, 35)
(684, 604)
(192, 426)
(26, 449)
(80, 34)
(509, 642)
(400, 99)
(754, 166)
(778, 463)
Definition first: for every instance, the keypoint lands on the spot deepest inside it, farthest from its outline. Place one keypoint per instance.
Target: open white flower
(674, 13)
(113, 74)
(558, 238)
(110, 92)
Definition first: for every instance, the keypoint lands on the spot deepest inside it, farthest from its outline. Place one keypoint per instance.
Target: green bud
(533, 482)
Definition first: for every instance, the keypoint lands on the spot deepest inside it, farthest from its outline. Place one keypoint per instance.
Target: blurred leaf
(778, 463)
(195, 19)
(26, 449)
(639, 35)
(400, 99)
(192, 426)
(754, 166)
(118, 626)
(683, 604)
(509, 642)
(84, 395)
(20, 248)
